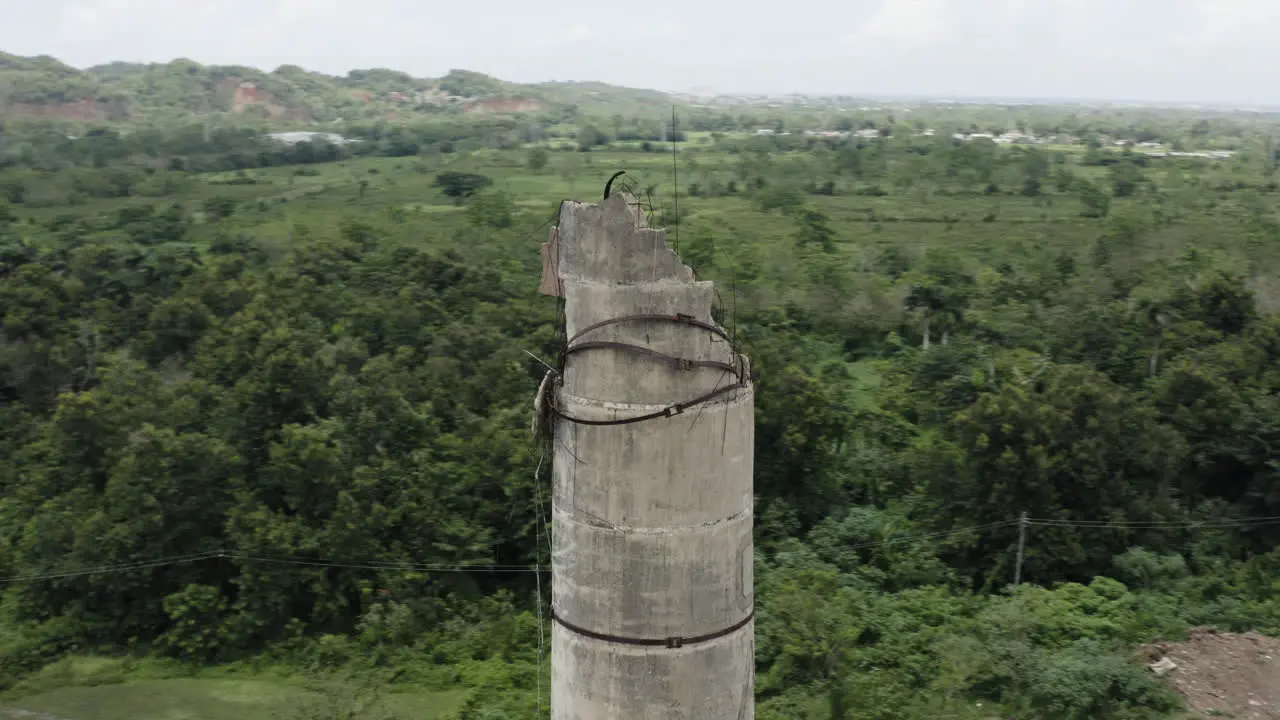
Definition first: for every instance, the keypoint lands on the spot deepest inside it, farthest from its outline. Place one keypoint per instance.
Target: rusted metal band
(677, 318)
(680, 363)
(609, 185)
(672, 410)
(670, 642)
(667, 412)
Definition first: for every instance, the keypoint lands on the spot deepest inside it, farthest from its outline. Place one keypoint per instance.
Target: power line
(894, 541)
(537, 554)
(181, 559)
(406, 567)
(409, 567)
(114, 568)
(541, 534)
(1157, 524)
(1207, 524)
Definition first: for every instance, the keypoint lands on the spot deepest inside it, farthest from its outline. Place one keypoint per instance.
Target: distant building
(1014, 136)
(298, 136)
(1208, 154)
(1205, 154)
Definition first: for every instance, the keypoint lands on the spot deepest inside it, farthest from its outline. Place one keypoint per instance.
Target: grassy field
(108, 689)
(868, 217)
(207, 699)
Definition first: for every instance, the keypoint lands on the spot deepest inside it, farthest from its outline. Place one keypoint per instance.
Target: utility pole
(1022, 546)
(652, 422)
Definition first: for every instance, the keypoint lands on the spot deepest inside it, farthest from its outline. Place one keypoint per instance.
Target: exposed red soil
(245, 95)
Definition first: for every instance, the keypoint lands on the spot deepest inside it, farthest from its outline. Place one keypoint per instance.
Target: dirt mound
(1223, 674)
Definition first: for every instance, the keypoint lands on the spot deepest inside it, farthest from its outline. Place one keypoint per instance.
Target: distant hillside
(44, 87)
(598, 93)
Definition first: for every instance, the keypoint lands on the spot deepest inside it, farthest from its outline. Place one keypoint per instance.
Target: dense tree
(814, 229)
(538, 158)
(310, 384)
(220, 208)
(460, 185)
(1097, 203)
(1126, 177)
(1067, 445)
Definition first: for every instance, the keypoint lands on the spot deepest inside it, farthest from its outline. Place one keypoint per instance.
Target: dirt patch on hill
(245, 96)
(507, 105)
(1223, 674)
(79, 111)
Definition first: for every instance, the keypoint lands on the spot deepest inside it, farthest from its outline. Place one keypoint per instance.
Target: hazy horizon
(1211, 52)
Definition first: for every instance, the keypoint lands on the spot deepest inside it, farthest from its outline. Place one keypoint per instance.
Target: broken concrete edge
(664, 263)
(652, 521)
(638, 250)
(551, 284)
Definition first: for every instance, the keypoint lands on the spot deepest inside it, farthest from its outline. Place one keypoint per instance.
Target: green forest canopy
(236, 354)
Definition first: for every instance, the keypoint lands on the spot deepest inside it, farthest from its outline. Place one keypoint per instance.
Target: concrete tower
(653, 432)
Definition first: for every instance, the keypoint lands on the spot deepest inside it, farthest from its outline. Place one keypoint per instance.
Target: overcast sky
(1181, 50)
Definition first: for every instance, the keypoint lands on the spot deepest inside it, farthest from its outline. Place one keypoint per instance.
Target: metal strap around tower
(677, 318)
(681, 363)
(670, 642)
(667, 412)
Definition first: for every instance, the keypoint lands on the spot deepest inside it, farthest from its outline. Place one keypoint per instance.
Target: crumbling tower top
(652, 499)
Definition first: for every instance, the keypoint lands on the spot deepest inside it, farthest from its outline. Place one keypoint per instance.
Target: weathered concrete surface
(652, 520)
